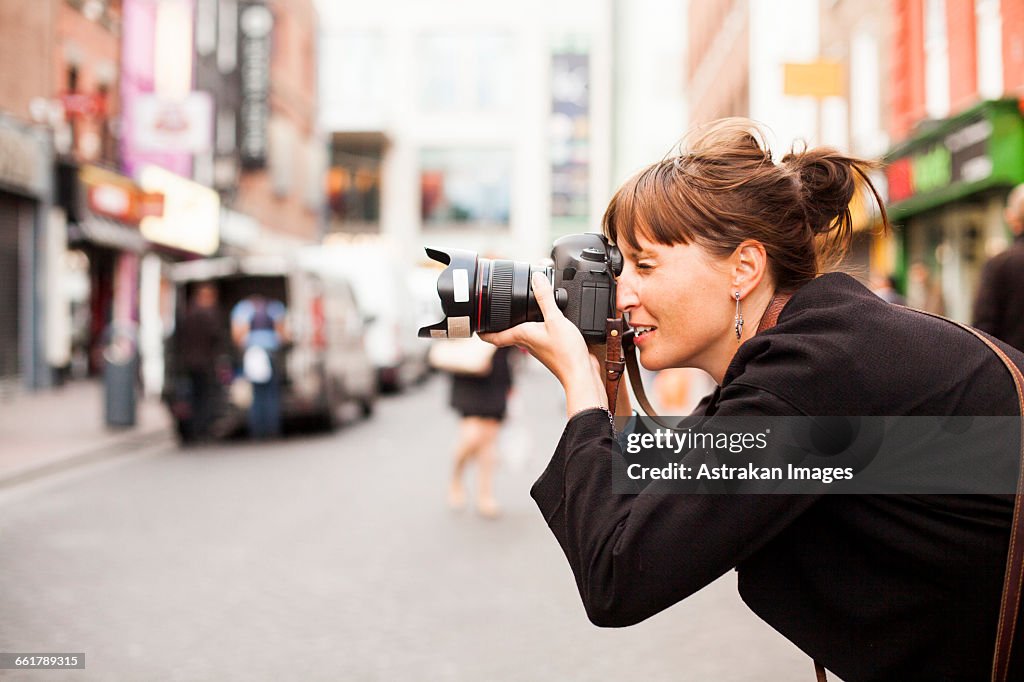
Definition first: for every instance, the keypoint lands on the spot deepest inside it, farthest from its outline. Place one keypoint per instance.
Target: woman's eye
(644, 266)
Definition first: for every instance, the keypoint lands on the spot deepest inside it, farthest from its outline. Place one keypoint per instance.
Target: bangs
(655, 204)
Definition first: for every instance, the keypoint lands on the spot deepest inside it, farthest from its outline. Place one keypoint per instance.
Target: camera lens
(507, 299)
(482, 295)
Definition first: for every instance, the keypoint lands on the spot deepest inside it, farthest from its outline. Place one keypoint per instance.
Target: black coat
(201, 339)
(999, 307)
(876, 587)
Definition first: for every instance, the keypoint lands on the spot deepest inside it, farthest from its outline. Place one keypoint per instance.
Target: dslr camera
(485, 295)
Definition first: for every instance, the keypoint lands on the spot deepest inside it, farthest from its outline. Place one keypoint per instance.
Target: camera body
(484, 295)
(585, 267)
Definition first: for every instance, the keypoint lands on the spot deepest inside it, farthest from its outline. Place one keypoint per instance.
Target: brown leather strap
(771, 313)
(614, 364)
(819, 672)
(1009, 605)
(633, 369)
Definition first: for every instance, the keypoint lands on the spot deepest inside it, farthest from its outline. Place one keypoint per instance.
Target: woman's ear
(749, 266)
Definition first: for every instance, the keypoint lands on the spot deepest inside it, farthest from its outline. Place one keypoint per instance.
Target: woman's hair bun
(827, 182)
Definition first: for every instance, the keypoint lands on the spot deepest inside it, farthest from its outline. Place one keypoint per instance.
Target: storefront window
(465, 188)
(354, 182)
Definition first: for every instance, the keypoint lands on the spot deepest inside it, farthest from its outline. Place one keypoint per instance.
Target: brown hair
(725, 189)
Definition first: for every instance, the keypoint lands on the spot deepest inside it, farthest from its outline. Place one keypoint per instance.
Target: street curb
(152, 439)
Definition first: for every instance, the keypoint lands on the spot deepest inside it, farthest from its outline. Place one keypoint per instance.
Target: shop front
(25, 196)
(947, 189)
(102, 261)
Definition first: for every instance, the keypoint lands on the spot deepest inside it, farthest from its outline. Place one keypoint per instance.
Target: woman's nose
(625, 294)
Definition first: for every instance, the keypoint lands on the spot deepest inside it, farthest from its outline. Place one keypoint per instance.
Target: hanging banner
(570, 134)
(256, 23)
(169, 126)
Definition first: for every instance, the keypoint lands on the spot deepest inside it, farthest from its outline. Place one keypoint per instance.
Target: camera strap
(633, 369)
(768, 320)
(614, 364)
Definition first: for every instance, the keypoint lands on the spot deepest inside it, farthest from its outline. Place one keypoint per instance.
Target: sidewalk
(57, 428)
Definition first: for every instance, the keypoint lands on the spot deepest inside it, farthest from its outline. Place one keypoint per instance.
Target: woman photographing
(725, 258)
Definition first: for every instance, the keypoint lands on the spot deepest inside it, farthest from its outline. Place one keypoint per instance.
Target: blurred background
(307, 151)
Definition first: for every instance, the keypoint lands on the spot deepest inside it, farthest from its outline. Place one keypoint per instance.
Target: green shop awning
(977, 150)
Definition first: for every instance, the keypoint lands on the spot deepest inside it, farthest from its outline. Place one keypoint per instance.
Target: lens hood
(457, 289)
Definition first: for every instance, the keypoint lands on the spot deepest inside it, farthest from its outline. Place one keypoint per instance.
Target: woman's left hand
(560, 347)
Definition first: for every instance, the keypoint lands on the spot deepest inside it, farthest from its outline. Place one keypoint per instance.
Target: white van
(325, 363)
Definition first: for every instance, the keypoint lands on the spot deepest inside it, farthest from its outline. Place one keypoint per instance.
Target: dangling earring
(739, 317)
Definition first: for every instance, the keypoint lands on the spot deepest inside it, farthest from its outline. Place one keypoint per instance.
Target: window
(353, 76)
(354, 182)
(465, 187)
(989, 25)
(865, 94)
(466, 71)
(936, 59)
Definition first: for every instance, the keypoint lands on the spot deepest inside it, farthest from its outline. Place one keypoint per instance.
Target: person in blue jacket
(258, 327)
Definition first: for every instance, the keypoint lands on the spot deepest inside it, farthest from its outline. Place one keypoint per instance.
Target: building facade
(737, 49)
(481, 126)
(958, 134)
(26, 190)
(122, 131)
(282, 153)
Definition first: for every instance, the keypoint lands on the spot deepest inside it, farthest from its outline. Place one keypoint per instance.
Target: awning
(107, 232)
(973, 152)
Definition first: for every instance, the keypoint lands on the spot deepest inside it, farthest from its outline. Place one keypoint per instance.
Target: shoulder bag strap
(1014, 576)
(1010, 603)
(1009, 606)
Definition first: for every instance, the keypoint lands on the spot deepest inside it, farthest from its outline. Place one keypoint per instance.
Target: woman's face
(684, 294)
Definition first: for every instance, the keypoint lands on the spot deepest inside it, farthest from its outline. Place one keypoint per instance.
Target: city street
(334, 557)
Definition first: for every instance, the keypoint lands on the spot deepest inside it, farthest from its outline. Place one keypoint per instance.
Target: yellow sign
(814, 79)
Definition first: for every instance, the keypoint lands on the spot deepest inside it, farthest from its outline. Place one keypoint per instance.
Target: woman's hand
(560, 347)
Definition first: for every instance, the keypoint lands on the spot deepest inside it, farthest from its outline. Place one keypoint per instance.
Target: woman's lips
(642, 338)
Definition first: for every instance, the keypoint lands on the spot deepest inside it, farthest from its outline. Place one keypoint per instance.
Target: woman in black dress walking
(481, 401)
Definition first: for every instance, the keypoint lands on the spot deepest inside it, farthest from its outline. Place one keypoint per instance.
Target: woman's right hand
(560, 347)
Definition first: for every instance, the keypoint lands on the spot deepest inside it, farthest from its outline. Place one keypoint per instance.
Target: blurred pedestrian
(258, 327)
(482, 402)
(925, 290)
(201, 344)
(885, 288)
(999, 308)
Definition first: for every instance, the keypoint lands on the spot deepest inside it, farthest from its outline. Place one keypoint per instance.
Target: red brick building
(960, 21)
(956, 121)
(26, 28)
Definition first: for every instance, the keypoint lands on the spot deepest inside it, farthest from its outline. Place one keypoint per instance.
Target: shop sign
(981, 149)
(22, 158)
(961, 156)
(81, 104)
(256, 23)
(191, 213)
(174, 126)
(115, 196)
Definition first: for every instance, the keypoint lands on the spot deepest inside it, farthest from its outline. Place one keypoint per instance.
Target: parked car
(382, 293)
(325, 363)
